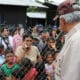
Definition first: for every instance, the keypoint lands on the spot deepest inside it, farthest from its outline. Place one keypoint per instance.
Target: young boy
(9, 64)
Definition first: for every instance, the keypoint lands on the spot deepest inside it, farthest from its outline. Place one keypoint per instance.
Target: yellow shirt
(31, 54)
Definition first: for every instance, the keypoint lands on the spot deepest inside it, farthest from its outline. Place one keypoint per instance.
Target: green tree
(78, 1)
(43, 0)
(35, 9)
(38, 1)
(46, 0)
(31, 9)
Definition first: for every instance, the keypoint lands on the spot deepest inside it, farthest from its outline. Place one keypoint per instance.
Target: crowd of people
(29, 56)
(40, 54)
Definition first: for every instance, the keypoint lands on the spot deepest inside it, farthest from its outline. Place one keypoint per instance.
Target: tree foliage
(35, 9)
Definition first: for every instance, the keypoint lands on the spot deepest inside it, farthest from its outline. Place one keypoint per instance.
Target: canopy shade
(21, 3)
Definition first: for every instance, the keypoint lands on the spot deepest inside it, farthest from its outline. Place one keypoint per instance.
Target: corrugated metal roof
(39, 15)
(57, 2)
(21, 3)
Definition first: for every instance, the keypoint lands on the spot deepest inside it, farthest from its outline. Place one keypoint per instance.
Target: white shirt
(68, 65)
(49, 68)
(10, 42)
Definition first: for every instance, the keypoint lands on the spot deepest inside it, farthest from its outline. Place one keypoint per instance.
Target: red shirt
(31, 74)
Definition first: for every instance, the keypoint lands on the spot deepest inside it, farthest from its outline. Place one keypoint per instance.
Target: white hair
(73, 16)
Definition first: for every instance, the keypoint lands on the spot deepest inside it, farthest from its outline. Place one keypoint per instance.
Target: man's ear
(63, 21)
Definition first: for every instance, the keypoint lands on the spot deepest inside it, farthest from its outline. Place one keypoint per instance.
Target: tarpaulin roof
(21, 3)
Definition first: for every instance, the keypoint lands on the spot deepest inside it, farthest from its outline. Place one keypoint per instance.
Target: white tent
(21, 3)
(39, 15)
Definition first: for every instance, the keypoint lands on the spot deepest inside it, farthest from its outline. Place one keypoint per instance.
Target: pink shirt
(17, 41)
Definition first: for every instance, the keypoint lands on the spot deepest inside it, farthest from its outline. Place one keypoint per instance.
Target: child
(17, 39)
(40, 66)
(26, 71)
(9, 64)
(49, 65)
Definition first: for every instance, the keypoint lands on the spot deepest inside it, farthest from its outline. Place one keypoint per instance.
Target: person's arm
(20, 53)
(71, 70)
(39, 57)
(11, 41)
(53, 45)
(12, 78)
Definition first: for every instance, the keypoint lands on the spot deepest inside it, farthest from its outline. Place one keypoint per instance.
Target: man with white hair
(68, 64)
